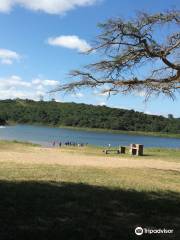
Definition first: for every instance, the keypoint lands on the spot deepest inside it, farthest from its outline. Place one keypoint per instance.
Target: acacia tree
(135, 57)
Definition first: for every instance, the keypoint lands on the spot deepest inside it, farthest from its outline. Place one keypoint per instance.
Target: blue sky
(41, 41)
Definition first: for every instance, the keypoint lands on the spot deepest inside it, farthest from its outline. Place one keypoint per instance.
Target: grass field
(165, 154)
(56, 200)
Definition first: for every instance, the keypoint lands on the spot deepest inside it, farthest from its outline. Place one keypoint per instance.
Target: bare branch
(131, 45)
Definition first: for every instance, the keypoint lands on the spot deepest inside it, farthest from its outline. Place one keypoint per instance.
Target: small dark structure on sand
(136, 149)
(121, 150)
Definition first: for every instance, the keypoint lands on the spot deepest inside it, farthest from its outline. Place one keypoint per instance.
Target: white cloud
(48, 6)
(148, 112)
(40, 93)
(11, 93)
(141, 93)
(42, 82)
(13, 81)
(101, 94)
(16, 87)
(8, 56)
(72, 42)
(6, 61)
(101, 103)
(77, 95)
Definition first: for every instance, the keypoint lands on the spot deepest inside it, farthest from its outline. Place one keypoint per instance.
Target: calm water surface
(46, 135)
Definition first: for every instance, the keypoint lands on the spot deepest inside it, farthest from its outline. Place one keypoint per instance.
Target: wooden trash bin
(122, 150)
(136, 149)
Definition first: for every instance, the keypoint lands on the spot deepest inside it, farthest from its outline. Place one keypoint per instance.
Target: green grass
(57, 202)
(165, 154)
(15, 142)
(16, 145)
(53, 202)
(125, 178)
(168, 154)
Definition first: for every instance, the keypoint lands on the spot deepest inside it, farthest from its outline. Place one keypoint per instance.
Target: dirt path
(54, 156)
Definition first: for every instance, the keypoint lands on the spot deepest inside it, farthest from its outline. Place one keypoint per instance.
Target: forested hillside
(82, 115)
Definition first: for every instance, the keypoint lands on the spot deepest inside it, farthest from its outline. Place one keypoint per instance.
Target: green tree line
(82, 115)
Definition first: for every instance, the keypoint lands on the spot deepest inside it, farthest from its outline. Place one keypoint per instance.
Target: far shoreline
(139, 133)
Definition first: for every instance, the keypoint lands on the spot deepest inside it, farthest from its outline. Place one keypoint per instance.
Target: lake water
(46, 135)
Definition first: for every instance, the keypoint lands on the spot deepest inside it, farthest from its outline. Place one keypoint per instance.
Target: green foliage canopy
(82, 115)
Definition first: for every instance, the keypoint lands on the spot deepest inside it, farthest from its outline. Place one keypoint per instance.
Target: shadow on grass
(67, 211)
(148, 155)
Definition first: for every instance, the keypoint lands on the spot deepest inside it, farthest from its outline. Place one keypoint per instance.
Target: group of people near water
(68, 143)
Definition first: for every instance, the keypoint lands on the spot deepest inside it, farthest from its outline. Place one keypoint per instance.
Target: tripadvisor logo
(139, 231)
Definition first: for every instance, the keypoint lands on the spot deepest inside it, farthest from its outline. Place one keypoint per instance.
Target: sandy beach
(40, 155)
